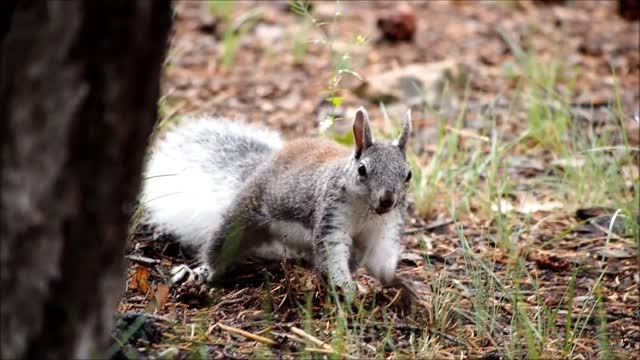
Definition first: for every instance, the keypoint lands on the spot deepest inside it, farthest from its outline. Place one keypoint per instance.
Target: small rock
(600, 219)
(591, 212)
(269, 34)
(614, 253)
(398, 26)
(424, 81)
(291, 101)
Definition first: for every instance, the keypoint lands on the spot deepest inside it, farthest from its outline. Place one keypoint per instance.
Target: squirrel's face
(381, 169)
(382, 173)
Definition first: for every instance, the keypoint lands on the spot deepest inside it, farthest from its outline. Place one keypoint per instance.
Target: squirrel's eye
(362, 170)
(408, 177)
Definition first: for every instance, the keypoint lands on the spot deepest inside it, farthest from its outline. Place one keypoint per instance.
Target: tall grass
(473, 179)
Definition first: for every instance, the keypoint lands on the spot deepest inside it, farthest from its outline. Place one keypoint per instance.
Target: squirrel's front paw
(184, 274)
(347, 290)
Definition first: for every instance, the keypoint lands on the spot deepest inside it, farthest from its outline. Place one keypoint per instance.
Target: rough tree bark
(78, 91)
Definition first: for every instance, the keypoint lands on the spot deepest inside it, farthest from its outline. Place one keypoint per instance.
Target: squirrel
(230, 190)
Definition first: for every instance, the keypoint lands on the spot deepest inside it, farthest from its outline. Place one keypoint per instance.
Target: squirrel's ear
(406, 132)
(362, 131)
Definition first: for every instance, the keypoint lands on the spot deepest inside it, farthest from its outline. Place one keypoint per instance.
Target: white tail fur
(194, 173)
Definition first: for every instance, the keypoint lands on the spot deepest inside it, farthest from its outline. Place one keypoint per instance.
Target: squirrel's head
(381, 170)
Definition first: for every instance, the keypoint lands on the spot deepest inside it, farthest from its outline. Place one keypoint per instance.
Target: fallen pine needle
(325, 351)
(312, 339)
(265, 330)
(246, 334)
(467, 133)
(394, 298)
(316, 350)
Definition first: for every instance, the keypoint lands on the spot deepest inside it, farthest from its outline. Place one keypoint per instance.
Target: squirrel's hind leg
(242, 230)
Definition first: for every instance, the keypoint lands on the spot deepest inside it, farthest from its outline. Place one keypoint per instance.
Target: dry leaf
(162, 294)
(552, 262)
(140, 279)
(158, 299)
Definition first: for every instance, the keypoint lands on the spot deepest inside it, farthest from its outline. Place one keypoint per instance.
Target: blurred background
(278, 64)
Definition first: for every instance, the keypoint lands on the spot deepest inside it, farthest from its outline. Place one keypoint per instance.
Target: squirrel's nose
(387, 200)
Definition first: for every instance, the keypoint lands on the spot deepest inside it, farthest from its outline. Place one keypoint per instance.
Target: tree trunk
(78, 91)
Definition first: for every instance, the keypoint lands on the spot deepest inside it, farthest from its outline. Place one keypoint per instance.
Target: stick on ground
(246, 334)
(312, 339)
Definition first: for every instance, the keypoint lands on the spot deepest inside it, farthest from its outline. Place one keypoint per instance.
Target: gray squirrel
(231, 190)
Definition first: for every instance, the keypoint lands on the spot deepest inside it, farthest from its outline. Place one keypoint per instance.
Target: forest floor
(523, 223)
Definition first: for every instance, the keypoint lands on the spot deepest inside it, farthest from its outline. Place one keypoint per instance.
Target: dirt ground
(528, 109)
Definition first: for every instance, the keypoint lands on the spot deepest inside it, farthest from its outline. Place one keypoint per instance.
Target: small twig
(428, 227)
(227, 302)
(467, 133)
(394, 298)
(142, 259)
(157, 317)
(289, 336)
(264, 331)
(246, 334)
(312, 339)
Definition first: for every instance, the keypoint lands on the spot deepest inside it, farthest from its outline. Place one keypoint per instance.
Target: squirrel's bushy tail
(195, 171)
